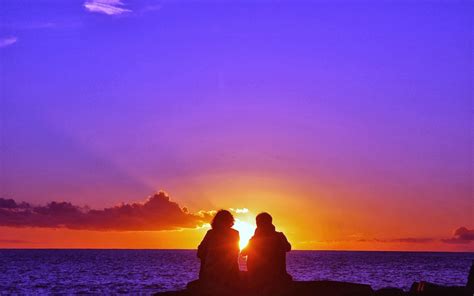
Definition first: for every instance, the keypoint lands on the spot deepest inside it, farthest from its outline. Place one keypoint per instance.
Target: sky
(127, 124)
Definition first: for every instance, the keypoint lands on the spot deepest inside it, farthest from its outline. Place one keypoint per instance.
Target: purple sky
(106, 103)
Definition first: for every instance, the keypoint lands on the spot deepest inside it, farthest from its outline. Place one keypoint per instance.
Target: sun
(246, 231)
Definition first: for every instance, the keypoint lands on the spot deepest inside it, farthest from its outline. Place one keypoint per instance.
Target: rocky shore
(334, 288)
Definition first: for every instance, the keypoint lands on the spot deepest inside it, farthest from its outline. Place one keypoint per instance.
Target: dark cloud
(15, 241)
(156, 213)
(411, 240)
(462, 235)
(11, 204)
(7, 203)
(416, 240)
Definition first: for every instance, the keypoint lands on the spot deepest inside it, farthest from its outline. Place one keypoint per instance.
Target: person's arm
(245, 251)
(236, 243)
(286, 246)
(202, 248)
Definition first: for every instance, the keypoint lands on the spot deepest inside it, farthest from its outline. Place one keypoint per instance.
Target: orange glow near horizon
(311, 217)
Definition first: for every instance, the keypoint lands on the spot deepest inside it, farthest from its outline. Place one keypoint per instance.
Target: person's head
(264, 219)
(222, 219)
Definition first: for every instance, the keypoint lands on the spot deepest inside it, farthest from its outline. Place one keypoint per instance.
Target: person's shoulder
(233, 233)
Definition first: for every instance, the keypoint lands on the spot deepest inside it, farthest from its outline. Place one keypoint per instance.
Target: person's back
(219, 252)
(266, 254)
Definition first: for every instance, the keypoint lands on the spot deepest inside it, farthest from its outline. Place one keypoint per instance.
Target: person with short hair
(266, 256)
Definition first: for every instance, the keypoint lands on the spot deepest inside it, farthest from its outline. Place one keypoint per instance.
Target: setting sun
(246, 231)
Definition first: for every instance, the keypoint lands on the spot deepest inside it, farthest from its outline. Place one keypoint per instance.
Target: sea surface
(143, 272)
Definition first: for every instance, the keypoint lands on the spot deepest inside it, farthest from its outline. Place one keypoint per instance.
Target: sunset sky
(351, 122)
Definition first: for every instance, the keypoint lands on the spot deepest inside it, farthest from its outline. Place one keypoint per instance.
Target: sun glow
(245, 230)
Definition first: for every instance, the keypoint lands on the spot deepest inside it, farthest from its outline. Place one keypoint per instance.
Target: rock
(470, 279)
(173, 293)
(390, 292)
(328, 288)
(429, 289)
(331, 288)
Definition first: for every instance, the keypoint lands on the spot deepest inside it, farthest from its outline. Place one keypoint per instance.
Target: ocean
(40, 272)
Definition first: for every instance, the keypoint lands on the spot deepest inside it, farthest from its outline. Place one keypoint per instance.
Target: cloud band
(156, 213)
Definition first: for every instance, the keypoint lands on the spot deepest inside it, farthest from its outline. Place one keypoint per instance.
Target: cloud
(7, 203)
(4, 42)
(355, 238)
(12, 204)
(14, 241)
(408, 240)
(462, 235)
(414, 240)
(156, 213)
(239, 211)
(109, 7)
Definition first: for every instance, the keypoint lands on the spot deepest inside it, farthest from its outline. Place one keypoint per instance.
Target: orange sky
(314, 220)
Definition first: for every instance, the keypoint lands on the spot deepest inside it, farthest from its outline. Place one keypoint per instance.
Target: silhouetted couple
(266, 257)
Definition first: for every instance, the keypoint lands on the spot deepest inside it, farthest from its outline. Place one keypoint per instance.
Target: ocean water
(28, 272)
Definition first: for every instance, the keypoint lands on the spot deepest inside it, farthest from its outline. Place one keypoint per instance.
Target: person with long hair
(219, 251)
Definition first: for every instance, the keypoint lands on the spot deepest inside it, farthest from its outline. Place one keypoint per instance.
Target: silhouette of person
(219, 251)
(266, 256)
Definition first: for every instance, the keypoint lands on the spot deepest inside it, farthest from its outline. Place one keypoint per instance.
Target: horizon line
(184, 249)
